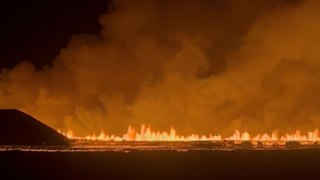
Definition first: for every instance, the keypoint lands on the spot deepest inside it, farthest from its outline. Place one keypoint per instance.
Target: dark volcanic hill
(18, 128)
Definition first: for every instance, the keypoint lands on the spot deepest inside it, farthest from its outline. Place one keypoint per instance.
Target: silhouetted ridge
(18, 128)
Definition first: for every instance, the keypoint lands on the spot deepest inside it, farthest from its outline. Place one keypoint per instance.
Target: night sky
(36, 30)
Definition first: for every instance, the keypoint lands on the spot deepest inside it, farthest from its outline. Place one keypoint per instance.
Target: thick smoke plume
(198, 65)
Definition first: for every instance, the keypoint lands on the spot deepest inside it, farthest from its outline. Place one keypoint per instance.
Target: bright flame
(147, 135)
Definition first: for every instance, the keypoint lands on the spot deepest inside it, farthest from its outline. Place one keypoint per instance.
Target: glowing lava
(146, 134)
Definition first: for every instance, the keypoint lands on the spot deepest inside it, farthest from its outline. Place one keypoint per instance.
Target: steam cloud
(200, 66)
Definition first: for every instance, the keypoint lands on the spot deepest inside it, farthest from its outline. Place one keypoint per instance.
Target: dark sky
(36, 30)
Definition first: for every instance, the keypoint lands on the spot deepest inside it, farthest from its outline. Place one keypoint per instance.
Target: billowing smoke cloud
(200, 66)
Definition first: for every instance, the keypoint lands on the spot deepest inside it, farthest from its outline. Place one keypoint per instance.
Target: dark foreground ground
(240, 164)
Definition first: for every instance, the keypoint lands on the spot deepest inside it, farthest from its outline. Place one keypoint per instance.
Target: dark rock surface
(246, 144)
(293, 144)
(18, 128)
(163, 165)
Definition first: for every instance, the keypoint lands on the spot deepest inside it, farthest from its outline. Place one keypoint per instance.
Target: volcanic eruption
(166, 89)
(199, 66)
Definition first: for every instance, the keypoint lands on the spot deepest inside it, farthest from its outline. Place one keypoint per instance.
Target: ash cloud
(200, 66)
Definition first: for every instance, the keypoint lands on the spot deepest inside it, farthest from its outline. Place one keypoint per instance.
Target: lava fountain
(146, 134)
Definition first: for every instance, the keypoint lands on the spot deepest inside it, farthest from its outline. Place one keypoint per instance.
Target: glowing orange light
(147, 135)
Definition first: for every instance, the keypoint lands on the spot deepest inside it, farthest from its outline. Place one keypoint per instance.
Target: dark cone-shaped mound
(18, 128)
